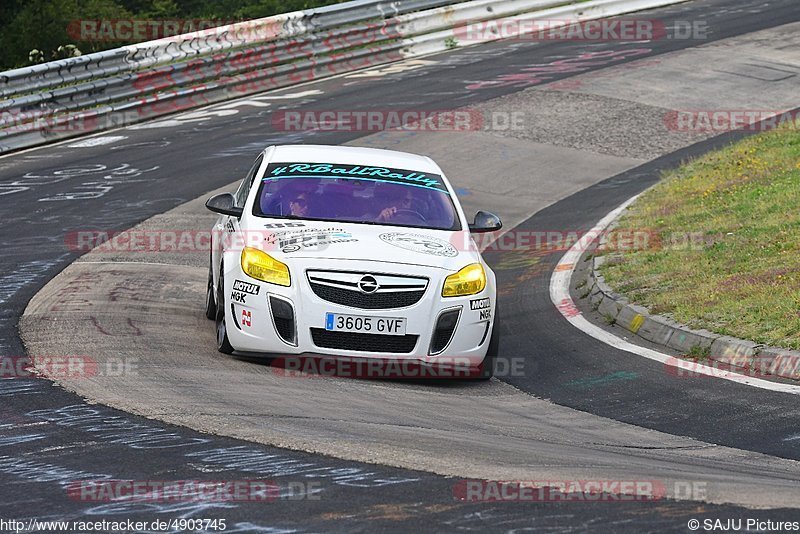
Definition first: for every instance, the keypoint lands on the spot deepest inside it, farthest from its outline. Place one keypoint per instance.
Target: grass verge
(723, 249)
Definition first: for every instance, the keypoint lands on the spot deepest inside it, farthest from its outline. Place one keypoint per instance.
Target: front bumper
(253, 326)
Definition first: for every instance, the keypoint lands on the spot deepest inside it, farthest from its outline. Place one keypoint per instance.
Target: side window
(247, 183)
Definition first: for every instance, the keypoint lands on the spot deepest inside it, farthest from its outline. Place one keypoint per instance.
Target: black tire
(211, 306)
(223, 344)
(486, 369)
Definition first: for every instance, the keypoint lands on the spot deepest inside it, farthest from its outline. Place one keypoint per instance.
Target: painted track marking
(559, 295)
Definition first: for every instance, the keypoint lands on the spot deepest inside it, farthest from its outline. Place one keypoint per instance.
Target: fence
(98, 91)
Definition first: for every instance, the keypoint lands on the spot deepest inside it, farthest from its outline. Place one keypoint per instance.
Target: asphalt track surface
(42, 439)
(590, 376)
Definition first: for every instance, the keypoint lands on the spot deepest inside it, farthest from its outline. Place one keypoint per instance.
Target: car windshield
(356, 193)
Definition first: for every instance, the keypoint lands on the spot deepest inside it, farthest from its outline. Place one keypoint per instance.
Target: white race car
(351, 252)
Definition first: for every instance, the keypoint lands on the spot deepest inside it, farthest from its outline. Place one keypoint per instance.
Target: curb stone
(738, 353)
(658, 329)
(735, 352)
(783, 363)
(596, 296)
(631, 317)
(609, 308)
(685, 339)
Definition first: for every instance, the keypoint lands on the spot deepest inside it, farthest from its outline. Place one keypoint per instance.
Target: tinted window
(247, 183)
(353, 193)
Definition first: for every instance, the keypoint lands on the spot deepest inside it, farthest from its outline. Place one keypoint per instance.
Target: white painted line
(252, 102)
(559, 294)
(97, 141)
(290, 96)
(392, 68)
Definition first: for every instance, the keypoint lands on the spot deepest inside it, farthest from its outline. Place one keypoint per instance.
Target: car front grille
(373, 301)
(393, 291)
(363, 342)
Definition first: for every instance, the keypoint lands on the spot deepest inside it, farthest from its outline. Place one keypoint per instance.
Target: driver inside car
(399, 202)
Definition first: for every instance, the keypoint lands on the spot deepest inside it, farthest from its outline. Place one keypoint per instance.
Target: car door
(226, 234)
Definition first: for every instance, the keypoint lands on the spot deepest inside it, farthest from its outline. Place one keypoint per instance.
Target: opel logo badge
(368, 284)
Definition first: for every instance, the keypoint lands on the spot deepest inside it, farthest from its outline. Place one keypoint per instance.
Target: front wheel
(211, 305)
(223, 344)
(486, 369)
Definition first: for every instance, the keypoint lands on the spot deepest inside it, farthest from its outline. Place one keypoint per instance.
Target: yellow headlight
(468, 281)
(262, 266)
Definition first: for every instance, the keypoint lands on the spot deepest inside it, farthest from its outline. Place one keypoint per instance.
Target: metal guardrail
(221, 38)
(80, 95)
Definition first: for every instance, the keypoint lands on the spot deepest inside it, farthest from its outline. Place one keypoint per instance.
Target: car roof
(351, 155)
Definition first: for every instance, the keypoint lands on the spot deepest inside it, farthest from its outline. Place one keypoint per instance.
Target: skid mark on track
(134, 330)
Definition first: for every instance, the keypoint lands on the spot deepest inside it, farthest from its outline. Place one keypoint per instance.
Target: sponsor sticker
(285, 225)
(333, 171)
(293, 241)
(245, 287)
(480, 304)
(420, 243)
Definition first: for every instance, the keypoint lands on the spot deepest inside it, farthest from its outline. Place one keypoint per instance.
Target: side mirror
(485, 222)
(225, 204)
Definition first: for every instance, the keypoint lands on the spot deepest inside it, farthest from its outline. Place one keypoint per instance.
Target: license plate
(393, 326)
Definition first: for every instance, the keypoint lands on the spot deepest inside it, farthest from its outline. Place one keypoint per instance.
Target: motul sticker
(245, 287)
(479, 304)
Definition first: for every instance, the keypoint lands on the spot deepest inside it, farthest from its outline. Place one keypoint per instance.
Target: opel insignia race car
(351, 252)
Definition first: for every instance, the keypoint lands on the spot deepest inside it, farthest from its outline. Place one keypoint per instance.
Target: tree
(42, 25)
(46, 25)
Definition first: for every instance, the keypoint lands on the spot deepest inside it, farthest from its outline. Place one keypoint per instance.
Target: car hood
(391, 244)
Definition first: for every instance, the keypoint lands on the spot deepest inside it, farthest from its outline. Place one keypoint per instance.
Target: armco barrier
(86, 94)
